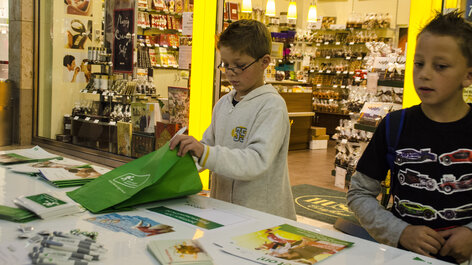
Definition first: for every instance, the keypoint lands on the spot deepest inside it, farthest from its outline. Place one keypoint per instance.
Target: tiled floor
(313, 167)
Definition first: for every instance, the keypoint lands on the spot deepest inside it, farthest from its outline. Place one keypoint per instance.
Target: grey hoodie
(246, 149)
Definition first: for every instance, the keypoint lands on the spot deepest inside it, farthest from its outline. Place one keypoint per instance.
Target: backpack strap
(393, 128)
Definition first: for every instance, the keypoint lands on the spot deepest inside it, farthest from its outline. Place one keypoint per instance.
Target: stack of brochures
(48, 205)
(16, 214)
(61, 173)
(179, 251)
(283, 244)
(26, 155)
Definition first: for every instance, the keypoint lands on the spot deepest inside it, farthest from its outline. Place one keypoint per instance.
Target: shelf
(159, 12)
(288, 82)
(160, 29)
(360, 58)
(331, 113)
(329, 72)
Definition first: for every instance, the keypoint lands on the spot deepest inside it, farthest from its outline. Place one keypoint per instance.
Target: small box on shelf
(142, 144)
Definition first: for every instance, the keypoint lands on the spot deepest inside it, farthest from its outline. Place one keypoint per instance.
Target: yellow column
(202, 70)
(421, 11)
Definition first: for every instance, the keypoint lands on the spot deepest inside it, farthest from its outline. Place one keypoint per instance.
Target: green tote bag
(156, 176)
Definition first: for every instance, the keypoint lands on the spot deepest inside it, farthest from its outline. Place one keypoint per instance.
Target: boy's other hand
(187, 144)
(458, 243)
(421, 239)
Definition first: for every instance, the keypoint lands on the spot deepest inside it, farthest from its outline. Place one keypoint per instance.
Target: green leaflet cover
(156, 176)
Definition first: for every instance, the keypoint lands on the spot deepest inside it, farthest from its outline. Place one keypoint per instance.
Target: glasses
(236, 70)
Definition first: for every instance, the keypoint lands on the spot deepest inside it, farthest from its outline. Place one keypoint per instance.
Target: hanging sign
(468, 10)
(123, 22)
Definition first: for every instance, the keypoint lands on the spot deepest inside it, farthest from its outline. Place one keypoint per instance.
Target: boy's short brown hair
(454, 25)
(247, 36)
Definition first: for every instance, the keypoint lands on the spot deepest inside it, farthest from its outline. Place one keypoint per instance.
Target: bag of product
(156, 176)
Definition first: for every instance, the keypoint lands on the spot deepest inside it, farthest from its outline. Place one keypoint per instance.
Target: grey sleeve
(381, 224)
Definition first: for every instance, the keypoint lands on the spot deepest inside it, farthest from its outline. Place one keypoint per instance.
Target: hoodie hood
(265, 89)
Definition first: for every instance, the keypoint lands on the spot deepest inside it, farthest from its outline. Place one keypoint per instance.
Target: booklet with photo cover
(26, 155)
(179, 251)
(284, 244)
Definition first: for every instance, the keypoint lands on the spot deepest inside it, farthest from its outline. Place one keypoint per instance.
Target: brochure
(72, 176)
(26, 155)
(48, 205)
(284, 244)
(179, 251)
(135, 225)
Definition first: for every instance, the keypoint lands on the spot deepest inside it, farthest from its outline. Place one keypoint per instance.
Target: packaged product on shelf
(233, 11)
(171, 5)
(143, 4)
(173, 40)
(142, 114)
(159, 5)
(152, 56)
(169, 22)
(164, 132)
(188, 5)
(179, 101)
(124, 132)
(179, 6)
(164, 40)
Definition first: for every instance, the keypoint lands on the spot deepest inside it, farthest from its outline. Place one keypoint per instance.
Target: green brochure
(156, 176)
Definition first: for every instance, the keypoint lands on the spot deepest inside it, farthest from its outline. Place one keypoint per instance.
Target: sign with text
(123, 22)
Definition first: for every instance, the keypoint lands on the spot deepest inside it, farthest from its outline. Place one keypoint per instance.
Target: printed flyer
(284, 244)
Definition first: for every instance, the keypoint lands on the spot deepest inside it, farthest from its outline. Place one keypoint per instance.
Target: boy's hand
(421, 239)
(187, 144)
(458, 243)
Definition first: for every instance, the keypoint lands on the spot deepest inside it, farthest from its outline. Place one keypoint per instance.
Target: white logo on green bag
(131, 180)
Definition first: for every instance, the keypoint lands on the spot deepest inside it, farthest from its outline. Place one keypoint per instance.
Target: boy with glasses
(246, 144)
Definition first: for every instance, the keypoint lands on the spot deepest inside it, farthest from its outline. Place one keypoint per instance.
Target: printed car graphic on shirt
(449, 184)
(410, 155)
(406, 207)
(458, 156)
(415, 179)
(457, 213)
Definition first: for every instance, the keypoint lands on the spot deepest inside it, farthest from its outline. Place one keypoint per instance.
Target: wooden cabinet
(328, 120)
(300, 112)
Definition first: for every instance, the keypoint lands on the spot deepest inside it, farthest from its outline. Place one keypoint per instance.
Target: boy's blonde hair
(247, 36)
(454, 25)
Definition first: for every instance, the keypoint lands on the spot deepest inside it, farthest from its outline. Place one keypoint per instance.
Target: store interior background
(56, 98)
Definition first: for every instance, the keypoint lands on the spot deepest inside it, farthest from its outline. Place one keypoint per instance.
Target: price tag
(312, 71)
(105, 98)
(338, 72)
(328, 57)
(328, 71)
(320, 71)
(344, 141)
(318, 44)
(76, 117)
(87, 119)
(335, 86)
(359, 58)
(318, 85)
(345, 72)
(357, 79)
(326, 43)
(96, 121)
(351, 73)
(343, 86)
(112, 122)
(348, 58)
(338, 43)
(104, 93)
(165, 46)
(142, 44)
(94, 92)
(351, 43)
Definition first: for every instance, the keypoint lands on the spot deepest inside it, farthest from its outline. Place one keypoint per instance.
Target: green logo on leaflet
(131, 180)
(46, 200)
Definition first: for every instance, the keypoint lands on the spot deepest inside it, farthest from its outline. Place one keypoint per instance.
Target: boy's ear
(468, 78)
(265, 60)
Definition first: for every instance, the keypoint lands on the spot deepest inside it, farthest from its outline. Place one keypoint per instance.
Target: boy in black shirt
(432, 187)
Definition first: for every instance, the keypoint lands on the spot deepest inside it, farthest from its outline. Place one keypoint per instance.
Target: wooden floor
(313, 167)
